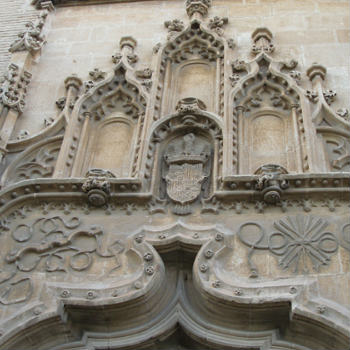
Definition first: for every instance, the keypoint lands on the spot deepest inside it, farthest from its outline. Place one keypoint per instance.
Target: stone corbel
(97, 186)
(270, 183)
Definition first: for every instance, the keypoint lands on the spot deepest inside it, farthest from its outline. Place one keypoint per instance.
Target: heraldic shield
(186, 158)
(184, 182)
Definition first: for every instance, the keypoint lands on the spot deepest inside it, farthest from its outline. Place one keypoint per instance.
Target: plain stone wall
(81, 38)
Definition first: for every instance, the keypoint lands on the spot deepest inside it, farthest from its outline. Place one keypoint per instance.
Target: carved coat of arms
(186, 160)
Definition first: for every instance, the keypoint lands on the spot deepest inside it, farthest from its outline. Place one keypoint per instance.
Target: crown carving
(187, 152)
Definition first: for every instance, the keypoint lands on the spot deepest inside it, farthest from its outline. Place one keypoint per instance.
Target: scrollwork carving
(297, 240)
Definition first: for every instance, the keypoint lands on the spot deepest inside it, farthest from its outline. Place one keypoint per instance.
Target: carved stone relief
(36, 162)
(185, 170)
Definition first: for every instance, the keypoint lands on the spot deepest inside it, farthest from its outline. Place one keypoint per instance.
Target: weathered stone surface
(187, 187)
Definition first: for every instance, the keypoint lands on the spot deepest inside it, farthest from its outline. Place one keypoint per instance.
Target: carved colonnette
(177, 206)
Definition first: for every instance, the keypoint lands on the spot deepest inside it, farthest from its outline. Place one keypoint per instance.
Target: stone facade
(176, 175)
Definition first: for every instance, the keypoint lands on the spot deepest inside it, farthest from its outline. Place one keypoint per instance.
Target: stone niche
(111, 145)
(195, 79)
(268, 135)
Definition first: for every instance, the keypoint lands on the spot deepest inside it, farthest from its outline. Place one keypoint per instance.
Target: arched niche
(268, 124)
(186, 149)
(192, 64)
(195, 78)
(267, 138)
(109, 124)
(112, 145)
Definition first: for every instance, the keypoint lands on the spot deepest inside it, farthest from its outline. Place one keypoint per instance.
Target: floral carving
(97, 74)
(32, 39)
(145, 75)
(312, 96)
(174, 27)
(217, 24)
(299, 239)
(329, 96)
(14, 88)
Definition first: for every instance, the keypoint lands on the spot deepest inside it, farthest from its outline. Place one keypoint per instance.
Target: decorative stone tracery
(197, 194)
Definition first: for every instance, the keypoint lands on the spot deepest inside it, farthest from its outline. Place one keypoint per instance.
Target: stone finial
(73, 81)
(127, 45)
(197, 6)
(127, 41)
(262, 41)
(316, 70)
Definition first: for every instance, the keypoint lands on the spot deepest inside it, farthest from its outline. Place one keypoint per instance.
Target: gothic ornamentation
(32, 39)
(14, 88)
(298, 240)
(197, 6)
(270, 183)
(262, 41)
(184, 178)
(37, 162)
(217, 24)
(97, 186)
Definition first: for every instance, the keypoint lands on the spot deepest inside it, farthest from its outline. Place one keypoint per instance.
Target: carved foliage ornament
(14, 88)
(32, 39)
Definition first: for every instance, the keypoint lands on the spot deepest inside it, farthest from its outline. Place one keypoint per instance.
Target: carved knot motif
(199, 6)
(217, 24)
(186, 158)
(97, 186)
(270, 183)
(262, 41)
(14, 88)
(32, 39)
(190, 105)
